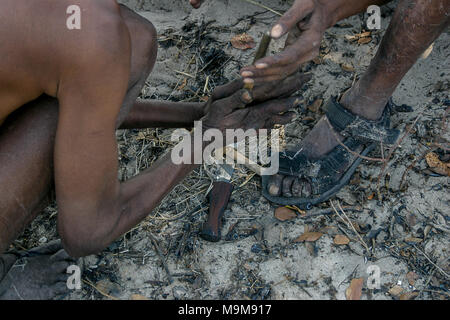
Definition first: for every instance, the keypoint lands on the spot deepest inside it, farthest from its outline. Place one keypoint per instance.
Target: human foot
(40, 275)
(321, 165)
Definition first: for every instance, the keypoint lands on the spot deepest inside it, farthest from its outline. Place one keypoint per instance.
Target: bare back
(34, 36)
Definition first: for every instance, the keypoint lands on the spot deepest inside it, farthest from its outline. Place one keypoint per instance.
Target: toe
(296, 188)
(274, 185)
(306, 190)
(287, 183)
(48, 248)
(61, 255)
(60, 266)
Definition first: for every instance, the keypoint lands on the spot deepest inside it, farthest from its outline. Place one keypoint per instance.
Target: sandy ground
(406, 231)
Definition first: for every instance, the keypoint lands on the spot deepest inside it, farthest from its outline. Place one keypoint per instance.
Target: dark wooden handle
(218, 199)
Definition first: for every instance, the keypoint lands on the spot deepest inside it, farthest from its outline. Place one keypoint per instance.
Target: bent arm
(94, 208)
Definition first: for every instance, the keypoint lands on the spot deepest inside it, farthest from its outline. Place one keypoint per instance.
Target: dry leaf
(138, 297)
(409, 295)
(437, 165)
(364, 40)
(284, 214)
(412, 277)
(351, 37)
(243, 42)
(414, 240)
(309, 236)
(315, 106)
(347, 67)
(341, 240)
(353, 292)
(364, 34)
(371, 196)
(396, 291)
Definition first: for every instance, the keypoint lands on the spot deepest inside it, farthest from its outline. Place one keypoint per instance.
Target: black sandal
(320, 174)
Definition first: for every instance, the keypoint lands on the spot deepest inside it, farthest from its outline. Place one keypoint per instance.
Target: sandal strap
(319, 173)
(363, 130)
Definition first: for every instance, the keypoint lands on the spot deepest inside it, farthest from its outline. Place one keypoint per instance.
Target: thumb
(299, 10)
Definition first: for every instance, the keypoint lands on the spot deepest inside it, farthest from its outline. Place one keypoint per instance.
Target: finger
(61, 255)
(304, 49)
(48, 248)
(283, 87)
(280, 119)
(275, 71)
(226, 90)
(278, 106)
(299, 10)
(293, 36)
(276, 89)
(238, 100)
(295, 54)
(60, 266)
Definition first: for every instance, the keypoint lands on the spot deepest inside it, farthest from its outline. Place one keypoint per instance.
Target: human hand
(232, 107)
(306, 21)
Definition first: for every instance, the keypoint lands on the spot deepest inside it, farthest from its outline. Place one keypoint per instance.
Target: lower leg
(414, 26)
(26, 155)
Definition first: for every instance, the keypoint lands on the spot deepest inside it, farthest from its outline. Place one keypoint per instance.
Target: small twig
(161, 256)
(350, 224)
(264, 7)
(435, 265)
(99, 290)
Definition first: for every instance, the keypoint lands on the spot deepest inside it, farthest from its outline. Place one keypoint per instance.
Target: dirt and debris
(400, 226)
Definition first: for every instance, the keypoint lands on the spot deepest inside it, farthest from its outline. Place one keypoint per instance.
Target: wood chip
(285, 214)
(347, 67)
(354, 291)
(396, 291)
(437, 165)
(243, 42)
(315, 106)
(413, 240)
(309, 236)
(341, 240)
(364, 40)
(412, 277)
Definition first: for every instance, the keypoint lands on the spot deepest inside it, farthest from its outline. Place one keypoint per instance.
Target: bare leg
(414, 26)
(26, 158)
